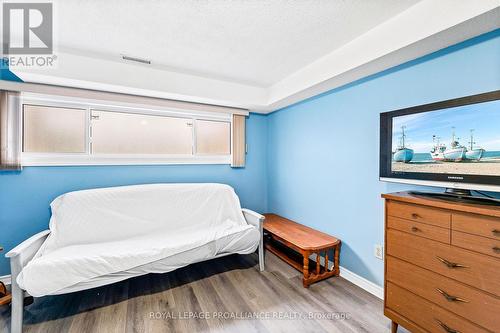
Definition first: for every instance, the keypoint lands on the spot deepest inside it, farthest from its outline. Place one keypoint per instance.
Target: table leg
(337, 260)
(327, 269)
(318, 262)
(305, 269)
(394, 327)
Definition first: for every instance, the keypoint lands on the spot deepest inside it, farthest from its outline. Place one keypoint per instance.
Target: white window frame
(87, 158)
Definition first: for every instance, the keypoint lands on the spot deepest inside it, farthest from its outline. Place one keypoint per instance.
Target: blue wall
(323, 152)
(316, 161)
(25, 196)
(6, 74)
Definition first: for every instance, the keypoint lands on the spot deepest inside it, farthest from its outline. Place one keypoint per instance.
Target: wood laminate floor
(223, 295)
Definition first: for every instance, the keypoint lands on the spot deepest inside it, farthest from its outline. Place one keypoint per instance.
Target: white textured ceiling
(252, 42)
(256, 55)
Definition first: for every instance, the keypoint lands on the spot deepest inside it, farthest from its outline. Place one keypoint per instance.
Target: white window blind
(10, 115)
(239, 142)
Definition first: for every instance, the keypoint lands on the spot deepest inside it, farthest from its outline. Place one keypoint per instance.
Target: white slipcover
(101, 232)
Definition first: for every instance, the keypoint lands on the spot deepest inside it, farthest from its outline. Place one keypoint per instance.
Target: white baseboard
(361, 282)
(354, 278)
(5, 279)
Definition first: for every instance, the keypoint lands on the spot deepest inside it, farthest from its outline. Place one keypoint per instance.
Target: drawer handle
(415, 229)
(496, 232)
(450, 264)
(451, 298)
(496, 249)
(446, 327)
(415, 215)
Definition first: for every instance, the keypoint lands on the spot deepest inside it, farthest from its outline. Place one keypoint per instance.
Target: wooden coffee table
(304, 241)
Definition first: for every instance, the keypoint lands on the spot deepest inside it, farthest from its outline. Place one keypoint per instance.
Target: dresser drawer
(480, 244)
(425, 314)
(462, 265)
(477, 306)
(419, 229)
(422, 214)
(480, 225)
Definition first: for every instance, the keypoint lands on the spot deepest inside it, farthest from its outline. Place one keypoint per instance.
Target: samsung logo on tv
(455, 177)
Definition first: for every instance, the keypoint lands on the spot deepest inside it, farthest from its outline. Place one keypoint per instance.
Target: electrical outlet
(379, 251)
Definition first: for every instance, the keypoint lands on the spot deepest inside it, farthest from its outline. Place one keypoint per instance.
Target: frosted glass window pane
(53, 130)
(213, 137)
(128, 133)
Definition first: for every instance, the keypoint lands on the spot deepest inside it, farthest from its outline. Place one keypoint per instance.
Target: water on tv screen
(458, 140)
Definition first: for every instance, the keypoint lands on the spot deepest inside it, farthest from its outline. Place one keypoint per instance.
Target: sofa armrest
(257, 220)
(253, 218)
(24, 252)
(29, 246)
(19, 257)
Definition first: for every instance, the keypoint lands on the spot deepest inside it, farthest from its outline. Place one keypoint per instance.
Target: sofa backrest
(117, 213)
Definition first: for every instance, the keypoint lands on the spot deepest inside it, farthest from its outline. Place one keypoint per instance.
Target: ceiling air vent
(142, 61)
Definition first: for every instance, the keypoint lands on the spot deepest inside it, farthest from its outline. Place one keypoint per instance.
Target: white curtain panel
(10, 149)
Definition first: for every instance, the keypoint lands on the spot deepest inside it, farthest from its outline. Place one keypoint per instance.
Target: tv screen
(451, 141)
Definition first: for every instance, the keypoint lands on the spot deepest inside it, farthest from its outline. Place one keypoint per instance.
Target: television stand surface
(462, 196)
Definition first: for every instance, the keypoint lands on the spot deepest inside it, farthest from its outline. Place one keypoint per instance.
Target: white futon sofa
(101, 236)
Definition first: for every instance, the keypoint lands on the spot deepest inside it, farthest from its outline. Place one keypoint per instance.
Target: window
(85, 134)
(128, 133)
(211, 137)
(50, 129)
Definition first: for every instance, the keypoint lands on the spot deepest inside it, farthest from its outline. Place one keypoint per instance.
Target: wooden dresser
(442, 265)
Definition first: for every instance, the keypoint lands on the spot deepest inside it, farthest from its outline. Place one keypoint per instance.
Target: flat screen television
(453, 144)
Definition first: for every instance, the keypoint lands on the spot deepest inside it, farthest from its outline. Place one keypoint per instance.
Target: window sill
(82, 160)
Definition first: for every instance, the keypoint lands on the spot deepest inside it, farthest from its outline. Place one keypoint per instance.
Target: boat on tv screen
(459, 140)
